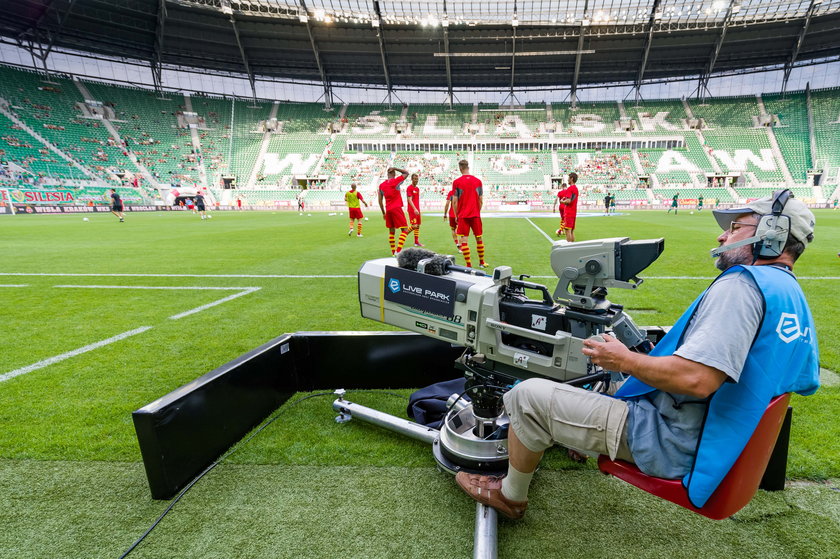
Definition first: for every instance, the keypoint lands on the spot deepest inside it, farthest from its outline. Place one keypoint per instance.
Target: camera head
(587, 268)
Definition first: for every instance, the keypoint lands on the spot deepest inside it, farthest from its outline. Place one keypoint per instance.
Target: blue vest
(783, 358)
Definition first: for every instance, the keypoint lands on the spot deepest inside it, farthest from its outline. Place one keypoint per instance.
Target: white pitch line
(550, 240)
(242, 291)
(15, 285)
(247, 291)
(69, 354)
(289, 276)
(168, 287)
(268, 276)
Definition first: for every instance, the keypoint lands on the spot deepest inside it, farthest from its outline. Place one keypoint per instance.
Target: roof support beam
(226, 8)
(327, 87)
(382, 49)
(703, 88)
(584, 22)
(445, 25)
(648, 41)
(41, 40)
(798, 46)
(157, 70)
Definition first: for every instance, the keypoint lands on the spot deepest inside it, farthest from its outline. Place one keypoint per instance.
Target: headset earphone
(773, 229)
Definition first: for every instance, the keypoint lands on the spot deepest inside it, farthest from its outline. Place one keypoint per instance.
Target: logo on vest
(788, 328)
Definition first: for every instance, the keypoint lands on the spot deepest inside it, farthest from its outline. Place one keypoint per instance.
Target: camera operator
(689, 406)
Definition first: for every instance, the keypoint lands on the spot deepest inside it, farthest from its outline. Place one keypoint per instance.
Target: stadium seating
(436, 169)
(792, 132)
(726, 112)
(148, 126)
(580, 122)
(312, 142)
(48, 106)
(745, 140)
(505, 168)
(445, 118)
(674, 109)
(826, 111)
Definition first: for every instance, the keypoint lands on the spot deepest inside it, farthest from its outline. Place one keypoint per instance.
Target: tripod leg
(485, 544)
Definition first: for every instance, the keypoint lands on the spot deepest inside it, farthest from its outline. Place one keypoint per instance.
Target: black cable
(230, 451)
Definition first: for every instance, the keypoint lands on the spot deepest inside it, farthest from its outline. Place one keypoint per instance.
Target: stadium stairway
(252, 180)
(196, 143)
(712, 161)
(4, 109)
(116, 135)
(777, 153)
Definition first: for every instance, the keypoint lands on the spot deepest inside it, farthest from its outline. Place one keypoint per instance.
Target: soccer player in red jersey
(392, 210)
(569, 202)
(412, 195)
(449, 213)
(353, 197)
(468, 199)
(559, 206)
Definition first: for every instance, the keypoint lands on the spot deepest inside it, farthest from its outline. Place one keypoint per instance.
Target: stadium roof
(512, 44)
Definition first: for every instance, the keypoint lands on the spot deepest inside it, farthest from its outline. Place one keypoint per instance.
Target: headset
(773, 229)
(771, 233)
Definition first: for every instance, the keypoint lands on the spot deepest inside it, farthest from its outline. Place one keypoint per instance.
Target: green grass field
(176, 297)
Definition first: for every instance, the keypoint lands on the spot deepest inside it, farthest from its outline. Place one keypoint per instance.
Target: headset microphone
(715, 252)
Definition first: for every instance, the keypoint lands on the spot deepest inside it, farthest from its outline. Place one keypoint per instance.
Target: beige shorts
(544, 413)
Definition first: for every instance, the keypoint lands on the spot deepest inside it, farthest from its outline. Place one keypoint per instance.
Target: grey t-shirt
(663, 428)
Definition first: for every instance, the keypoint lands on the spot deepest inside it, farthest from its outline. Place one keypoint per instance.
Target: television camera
(508, 336)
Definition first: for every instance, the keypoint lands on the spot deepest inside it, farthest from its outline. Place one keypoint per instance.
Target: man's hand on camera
(610, 354)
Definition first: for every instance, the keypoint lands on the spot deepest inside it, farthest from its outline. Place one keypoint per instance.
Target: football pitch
(99, 318)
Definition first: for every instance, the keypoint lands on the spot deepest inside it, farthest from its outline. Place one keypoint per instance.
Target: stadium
(271, 110)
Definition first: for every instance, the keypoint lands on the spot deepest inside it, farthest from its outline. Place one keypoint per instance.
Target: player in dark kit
(468, 199)
(199, 206)
(674, 204)
(392, 209)
(117, 205)
(412, 195)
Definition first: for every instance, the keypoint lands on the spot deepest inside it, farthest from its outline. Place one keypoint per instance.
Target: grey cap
(801, 219)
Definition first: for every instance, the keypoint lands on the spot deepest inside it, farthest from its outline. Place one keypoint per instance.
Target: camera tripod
(456, 447)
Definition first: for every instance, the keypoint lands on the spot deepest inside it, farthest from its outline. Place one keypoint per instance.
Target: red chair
(737, 488)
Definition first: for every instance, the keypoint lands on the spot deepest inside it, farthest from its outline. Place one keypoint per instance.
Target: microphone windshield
(437, 265)
(410, 257)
